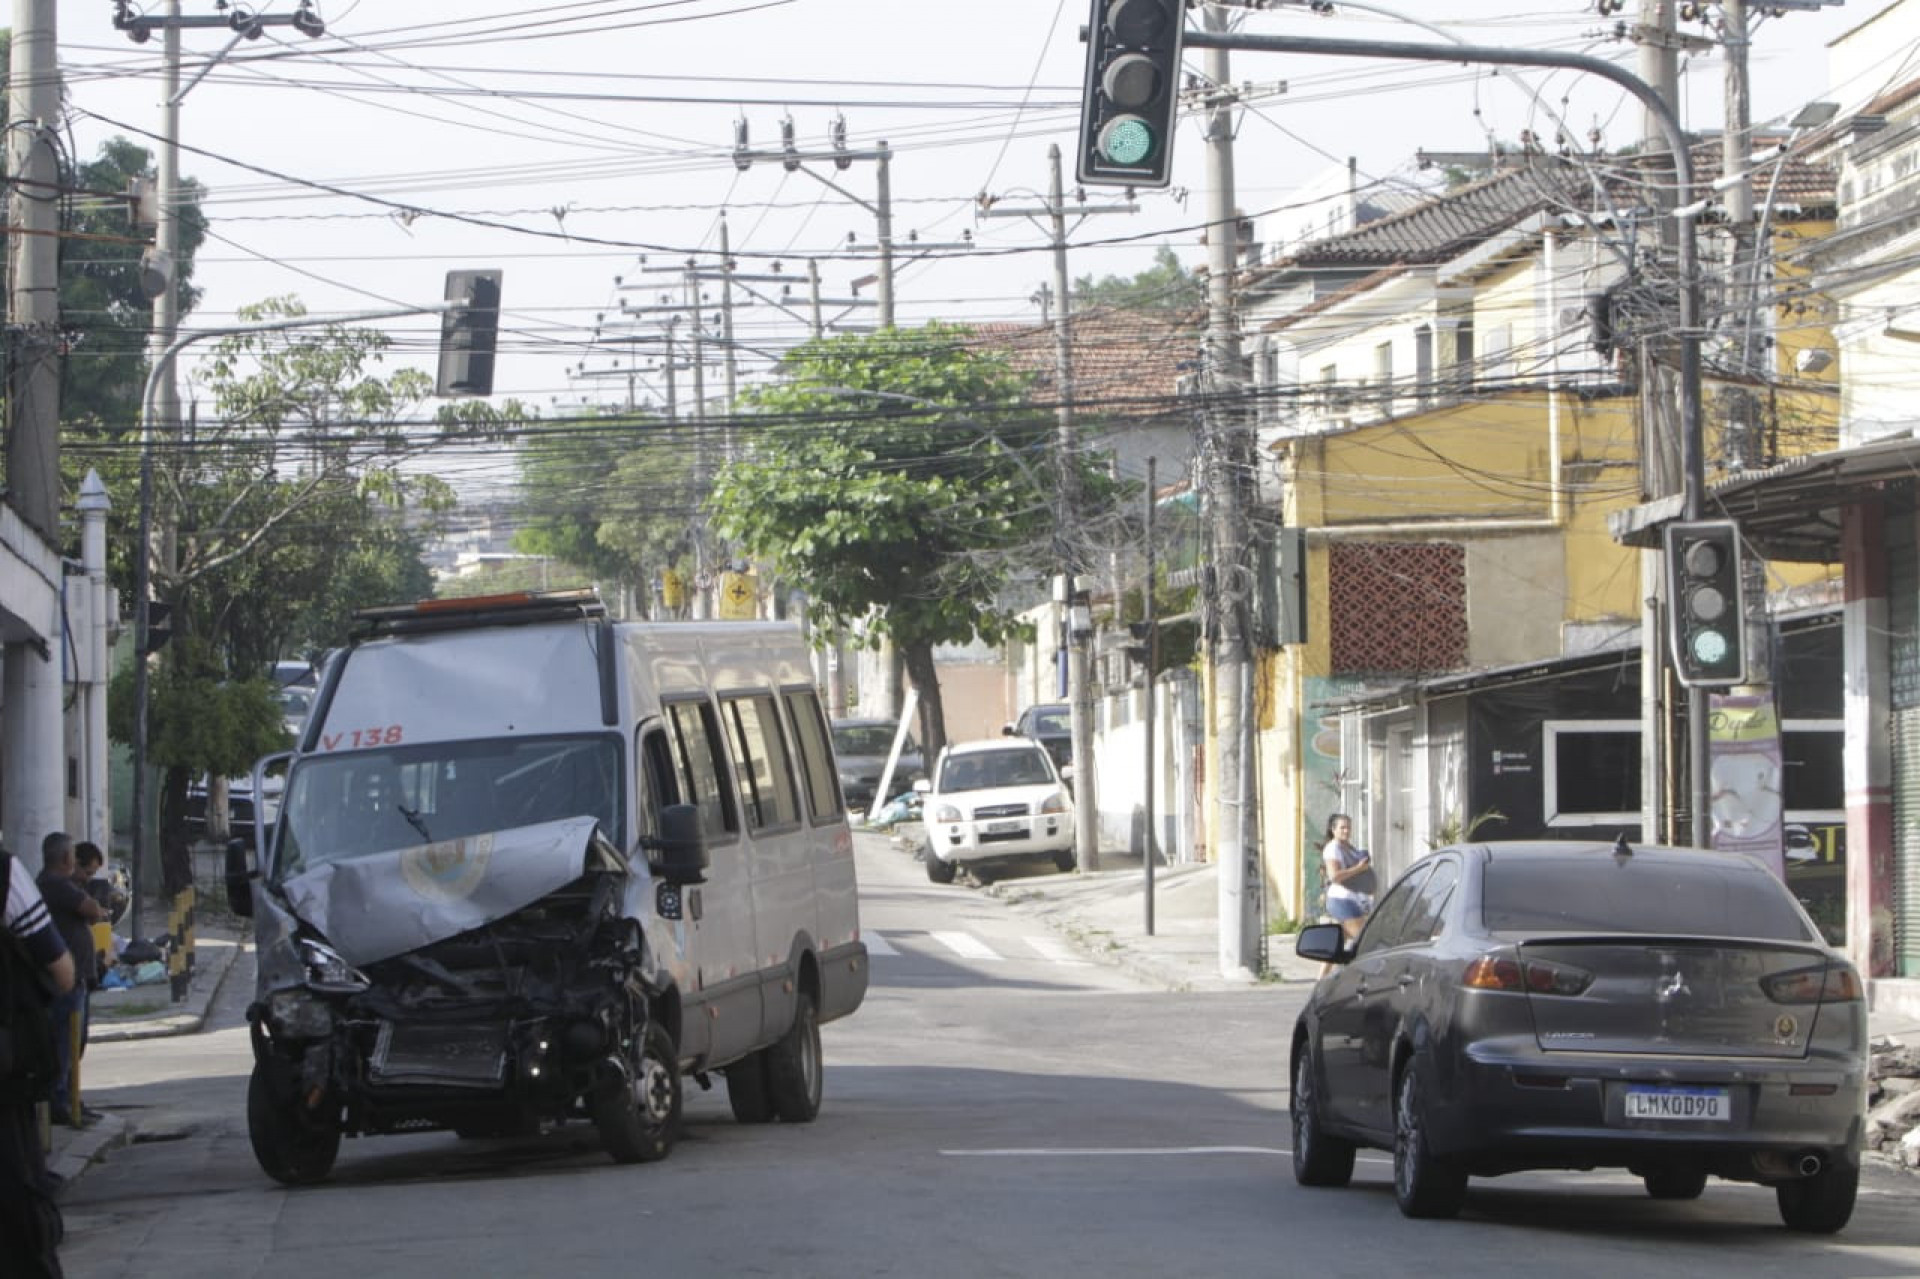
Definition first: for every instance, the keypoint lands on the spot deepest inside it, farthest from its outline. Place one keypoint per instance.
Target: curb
(181, 1023)
(75, 1155)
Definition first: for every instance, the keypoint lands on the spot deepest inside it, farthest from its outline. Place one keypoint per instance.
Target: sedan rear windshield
(1605, 894)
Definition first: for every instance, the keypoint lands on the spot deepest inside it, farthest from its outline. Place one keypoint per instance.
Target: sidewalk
(144, 1012)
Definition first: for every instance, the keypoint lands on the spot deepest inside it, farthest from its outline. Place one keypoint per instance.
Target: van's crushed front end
(487, 984)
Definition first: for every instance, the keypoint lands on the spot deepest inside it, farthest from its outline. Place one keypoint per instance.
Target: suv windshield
(347, 805)
(983, 770)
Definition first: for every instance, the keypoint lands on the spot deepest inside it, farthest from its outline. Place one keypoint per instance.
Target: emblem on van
(448, 870)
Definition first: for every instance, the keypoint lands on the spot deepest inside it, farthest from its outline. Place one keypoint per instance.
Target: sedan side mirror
(1324, 942)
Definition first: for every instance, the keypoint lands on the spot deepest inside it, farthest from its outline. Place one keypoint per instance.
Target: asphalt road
(1002, 1105)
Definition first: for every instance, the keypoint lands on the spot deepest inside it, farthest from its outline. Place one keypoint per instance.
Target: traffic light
(1131, 92)
(159, 627)
(469, 330)
(1706, 604)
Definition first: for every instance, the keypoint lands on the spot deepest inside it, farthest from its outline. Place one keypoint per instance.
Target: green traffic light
(1127, 140)
(1710, 647)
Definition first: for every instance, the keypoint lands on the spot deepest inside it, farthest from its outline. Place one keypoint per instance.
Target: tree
(614, 496)
(1166, 287)
(276, 519)
(898, 478)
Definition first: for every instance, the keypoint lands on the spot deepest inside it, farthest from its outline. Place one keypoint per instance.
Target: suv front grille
(999, 810)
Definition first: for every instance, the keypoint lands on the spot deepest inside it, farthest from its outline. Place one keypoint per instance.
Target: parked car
(860, 749)
(1050, 724)
(993, 803)
(1526, 1005)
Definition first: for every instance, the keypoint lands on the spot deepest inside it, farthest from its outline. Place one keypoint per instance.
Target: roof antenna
(1620, 848)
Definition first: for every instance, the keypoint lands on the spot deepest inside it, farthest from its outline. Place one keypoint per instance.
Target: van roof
(477, 610)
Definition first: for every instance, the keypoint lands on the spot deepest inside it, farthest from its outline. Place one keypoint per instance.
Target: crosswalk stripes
(967, 946)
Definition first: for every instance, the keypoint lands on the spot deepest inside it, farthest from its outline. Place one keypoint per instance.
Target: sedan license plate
(1001, 828)
(1685, 1105)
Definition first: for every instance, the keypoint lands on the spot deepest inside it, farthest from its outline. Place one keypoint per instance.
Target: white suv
(991, 803)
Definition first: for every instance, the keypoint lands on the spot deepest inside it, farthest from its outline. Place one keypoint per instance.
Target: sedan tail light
(1503, 970)
(1828, 984)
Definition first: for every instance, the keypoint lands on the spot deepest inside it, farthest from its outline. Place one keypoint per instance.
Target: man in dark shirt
(73, 911)
(30, 1226)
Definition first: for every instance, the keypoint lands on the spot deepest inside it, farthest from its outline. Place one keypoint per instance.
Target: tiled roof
(1455, 221)
(1116, 354)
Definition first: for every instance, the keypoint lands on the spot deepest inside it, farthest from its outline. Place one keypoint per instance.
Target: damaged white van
(533, 865)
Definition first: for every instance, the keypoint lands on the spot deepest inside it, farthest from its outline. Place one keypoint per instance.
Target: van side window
(659, 783)
(695, 735)
(816, 753)
(760, 761)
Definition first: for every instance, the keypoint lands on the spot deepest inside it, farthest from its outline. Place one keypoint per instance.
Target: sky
(585, 149)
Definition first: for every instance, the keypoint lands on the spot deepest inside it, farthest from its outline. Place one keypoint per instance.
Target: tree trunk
(918, 659)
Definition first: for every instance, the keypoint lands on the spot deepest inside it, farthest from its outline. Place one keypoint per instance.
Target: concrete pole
(97, 824)
(1229, 465)
(32, 792)
(33, 399)
(726, 335)
(1086, 810)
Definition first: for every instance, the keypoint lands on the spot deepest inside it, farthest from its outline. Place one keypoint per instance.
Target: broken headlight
(295, 1014)
(327, 972)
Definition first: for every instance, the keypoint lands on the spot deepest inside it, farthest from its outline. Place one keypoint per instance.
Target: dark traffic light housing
(469, 331)
(1706, 603)
(159, 626)
(1131, 93)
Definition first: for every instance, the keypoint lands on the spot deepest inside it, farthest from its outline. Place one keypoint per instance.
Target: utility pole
(1229, 462)
(34, 775)
(1069, 555)
(33, 391)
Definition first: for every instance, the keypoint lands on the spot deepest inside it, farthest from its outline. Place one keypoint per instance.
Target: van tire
(794, 1069)
(938, 871)
(1063, 861)
(638, 1114)
(748, 1092)
(290, 1149)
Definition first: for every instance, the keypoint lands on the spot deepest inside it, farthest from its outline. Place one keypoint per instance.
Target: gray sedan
(1555, 1005)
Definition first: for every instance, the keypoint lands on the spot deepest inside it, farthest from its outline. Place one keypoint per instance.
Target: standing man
(73, 911)
(30, 1227)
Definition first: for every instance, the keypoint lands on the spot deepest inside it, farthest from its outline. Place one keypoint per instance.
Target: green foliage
(515, 575)
(910, 508)
(1166, 287)
(200, 721)
(1455, 831)
(614, 496)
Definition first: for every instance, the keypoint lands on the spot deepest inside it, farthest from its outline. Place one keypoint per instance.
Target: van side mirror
(678, 854)
(239, 877)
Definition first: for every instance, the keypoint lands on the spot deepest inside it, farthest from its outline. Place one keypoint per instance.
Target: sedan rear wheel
(1675, 1183)
(1424, 1185)
(1822, 1203)
(1318, 1159)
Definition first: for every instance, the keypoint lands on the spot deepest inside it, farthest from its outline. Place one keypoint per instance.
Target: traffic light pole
(1692, 454)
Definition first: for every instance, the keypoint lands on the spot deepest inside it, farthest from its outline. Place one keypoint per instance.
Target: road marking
(965, 945)
(1052, 948)
(1108, 1152)
(878, 945)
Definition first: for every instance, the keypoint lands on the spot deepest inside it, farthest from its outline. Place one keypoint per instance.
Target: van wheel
(794, 1071)
(748, 1092)
(1063, 861)
(292, 1149)
(638, 1113)
(938, 871)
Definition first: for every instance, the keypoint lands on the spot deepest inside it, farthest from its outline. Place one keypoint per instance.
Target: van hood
(383, 904)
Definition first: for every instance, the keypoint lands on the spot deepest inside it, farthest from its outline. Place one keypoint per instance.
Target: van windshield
(350, 804)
